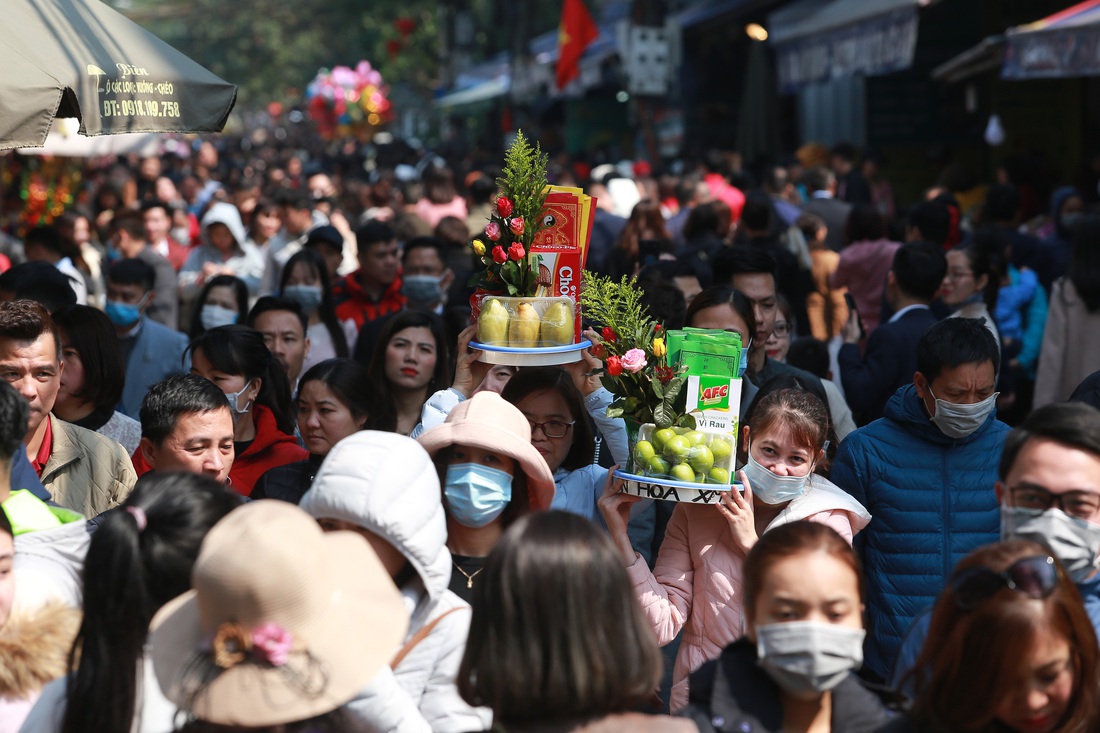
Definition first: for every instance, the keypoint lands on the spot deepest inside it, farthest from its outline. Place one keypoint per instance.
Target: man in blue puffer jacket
(924, 472)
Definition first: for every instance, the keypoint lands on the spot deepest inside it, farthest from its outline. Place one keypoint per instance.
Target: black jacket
(288, 483)
(733, 694)
(889, 362)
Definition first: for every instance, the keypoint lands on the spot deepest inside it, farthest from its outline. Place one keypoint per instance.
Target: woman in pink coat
(864, 263)
(696, 583)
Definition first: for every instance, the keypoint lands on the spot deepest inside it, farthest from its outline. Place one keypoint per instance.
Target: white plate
(541, 356)
(667, 490)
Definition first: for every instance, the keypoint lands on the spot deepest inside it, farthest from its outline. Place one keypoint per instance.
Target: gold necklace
(469, 577)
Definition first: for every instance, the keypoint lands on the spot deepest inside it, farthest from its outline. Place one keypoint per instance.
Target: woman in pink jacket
(696, 583)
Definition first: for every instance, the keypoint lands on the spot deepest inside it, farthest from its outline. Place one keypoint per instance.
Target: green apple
(661, 437)
(695, 437)
(677, 449)
(701, 459)
(683, 472)
(643, 451)
(719, 475)
(657, 466)
(722, 447)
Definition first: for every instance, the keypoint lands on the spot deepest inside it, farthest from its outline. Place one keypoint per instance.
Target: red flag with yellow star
(576, 31)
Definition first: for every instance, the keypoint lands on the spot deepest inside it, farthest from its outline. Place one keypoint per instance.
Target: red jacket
(353, 302)
(270, 448)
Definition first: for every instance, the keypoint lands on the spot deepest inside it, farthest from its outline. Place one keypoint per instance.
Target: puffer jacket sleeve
(847, 473)
(436, 409)
(441, 705)
(1036, 321)
(613, 429)
(385, 706)
(666, 592)
(836, 520)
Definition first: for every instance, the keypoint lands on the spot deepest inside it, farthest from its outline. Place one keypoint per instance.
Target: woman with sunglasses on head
(1010, 649)
(793, 670)
(695, 583)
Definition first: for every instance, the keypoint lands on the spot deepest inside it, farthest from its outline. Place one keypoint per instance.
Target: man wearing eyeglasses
(1049, 492)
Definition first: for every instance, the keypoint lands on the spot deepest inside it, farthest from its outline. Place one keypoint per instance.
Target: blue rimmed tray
(539, 356)
(668, 490)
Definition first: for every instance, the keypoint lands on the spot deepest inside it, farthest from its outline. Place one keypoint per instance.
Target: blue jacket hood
(906, 407)
(1057, 200)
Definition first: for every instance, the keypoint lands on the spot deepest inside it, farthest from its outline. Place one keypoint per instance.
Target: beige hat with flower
(283, 622)
(489, 422)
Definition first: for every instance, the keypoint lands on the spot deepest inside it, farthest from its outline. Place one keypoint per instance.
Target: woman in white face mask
(1010, 649)
(306, 281)
(793, 669)
(222, 302)
(695, 583)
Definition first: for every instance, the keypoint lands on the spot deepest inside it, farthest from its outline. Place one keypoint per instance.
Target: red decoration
(614, 366)
(499, 255)
(576, 31)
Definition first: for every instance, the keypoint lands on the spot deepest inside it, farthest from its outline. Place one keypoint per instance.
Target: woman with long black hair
(306, 281)
(139, 558)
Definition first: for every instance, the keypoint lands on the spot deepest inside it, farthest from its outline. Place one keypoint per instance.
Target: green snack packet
(710, 352)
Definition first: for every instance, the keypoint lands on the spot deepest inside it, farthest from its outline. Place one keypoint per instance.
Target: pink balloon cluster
(347, 101)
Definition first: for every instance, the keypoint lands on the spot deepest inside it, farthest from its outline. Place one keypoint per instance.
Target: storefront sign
(1052, 54)
(870, 47)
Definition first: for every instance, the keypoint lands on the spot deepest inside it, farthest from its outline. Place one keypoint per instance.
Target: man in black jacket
(890, 359)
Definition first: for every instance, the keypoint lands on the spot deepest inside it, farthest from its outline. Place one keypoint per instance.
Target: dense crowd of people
(253, 476)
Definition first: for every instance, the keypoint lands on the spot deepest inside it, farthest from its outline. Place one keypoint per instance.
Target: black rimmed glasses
(1036, 577)
(552, 429)
(1078, 504)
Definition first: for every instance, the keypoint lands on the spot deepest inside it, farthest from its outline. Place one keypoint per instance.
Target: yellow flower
(659, 349)
(479, 247)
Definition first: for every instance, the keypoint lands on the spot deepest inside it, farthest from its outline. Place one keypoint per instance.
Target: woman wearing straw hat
(491, 475)
(284, 625)
(385, 487)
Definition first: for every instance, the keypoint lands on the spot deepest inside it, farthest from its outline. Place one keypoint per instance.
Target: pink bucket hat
(488, 422)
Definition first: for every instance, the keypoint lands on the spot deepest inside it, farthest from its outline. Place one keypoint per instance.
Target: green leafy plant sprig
(631, 345)
(517, 218)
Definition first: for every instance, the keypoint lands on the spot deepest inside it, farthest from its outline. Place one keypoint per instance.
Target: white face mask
(807, 657)
(1073, 541)
(960, 421)
(235, 397)
(213, 316)
(771, 488)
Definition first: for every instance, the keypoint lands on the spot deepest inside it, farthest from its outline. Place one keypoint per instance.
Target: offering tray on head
(535, 356)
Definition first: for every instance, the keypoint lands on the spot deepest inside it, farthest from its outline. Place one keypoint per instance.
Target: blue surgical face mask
(307, 296)
(476, 494)
(124, 314)
(213, 316)
(743, 366)
(770, 488)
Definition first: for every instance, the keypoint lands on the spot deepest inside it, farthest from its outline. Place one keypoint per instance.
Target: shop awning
(480, 92)
(817, 41)
(705, 12)
(1065, 44)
